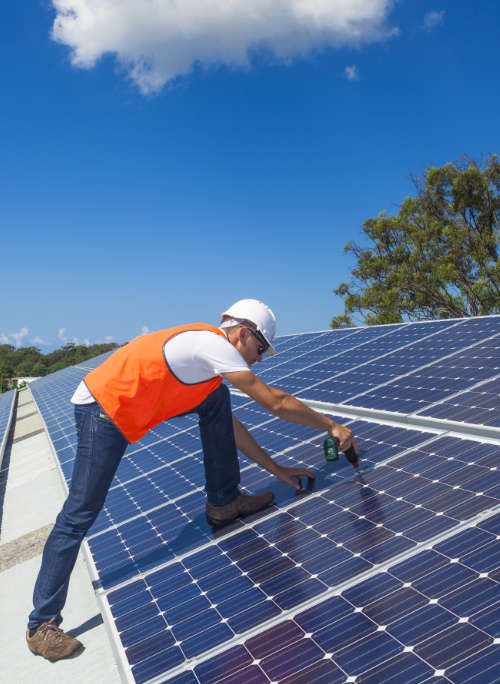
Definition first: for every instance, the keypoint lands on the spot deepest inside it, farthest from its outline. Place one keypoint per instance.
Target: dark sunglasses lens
(264, 346)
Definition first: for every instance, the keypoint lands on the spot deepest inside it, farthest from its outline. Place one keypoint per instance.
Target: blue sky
(155, 168)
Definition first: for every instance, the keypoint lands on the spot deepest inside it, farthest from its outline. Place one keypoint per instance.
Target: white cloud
(156, 41)
(38, 340)
(109, 338)
(433, 19)
(4, 339)
(61, 335)
(352, 73)
(18, 336)
(145, 330)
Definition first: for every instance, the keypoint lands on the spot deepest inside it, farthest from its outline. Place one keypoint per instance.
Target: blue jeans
(100, 448)
(220, 457)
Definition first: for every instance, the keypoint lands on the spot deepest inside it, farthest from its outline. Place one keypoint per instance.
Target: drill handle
(331, 446)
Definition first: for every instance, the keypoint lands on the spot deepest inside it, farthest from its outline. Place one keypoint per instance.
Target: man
(153, 378)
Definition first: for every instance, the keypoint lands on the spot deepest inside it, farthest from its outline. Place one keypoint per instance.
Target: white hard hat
(253, 311)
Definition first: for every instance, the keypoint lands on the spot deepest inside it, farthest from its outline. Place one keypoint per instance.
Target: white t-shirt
(193, 356)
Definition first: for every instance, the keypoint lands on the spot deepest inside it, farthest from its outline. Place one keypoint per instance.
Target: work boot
(243, 505)
(51, 642)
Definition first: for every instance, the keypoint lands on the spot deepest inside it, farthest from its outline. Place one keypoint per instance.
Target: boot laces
(51, 632)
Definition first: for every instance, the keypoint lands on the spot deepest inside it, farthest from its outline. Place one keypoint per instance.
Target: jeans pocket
(82, 415)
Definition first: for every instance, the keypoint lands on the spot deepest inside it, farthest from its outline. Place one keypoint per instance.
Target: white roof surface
(31, 495)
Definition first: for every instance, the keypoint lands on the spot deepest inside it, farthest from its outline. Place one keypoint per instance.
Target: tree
(5, 375)
(437, 258)
(30, 362)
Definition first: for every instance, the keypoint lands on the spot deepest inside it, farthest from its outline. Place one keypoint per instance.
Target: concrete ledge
(33, 494)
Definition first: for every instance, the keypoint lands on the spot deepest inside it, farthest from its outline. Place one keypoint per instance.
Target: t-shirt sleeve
(221, 356)
(197, 356)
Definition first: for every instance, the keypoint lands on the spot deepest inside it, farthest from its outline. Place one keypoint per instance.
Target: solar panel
(376, 364)
(7, 400)
(435, 614)
(478, 405)
(375, 576)
(412, 392)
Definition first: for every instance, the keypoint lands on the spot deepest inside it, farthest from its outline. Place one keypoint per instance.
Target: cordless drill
(331, 447)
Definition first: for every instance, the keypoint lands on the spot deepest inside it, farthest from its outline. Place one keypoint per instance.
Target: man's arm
(289, 408)
(247, 445)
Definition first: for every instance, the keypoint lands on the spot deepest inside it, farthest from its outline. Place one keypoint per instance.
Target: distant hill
(30, 362)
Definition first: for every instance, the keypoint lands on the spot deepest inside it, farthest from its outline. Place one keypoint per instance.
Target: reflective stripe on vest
(137, 389)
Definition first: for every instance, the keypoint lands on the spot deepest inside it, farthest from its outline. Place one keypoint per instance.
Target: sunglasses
(263, 345)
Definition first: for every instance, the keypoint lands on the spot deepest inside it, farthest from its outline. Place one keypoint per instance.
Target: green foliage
(30, 362)
(437, 258)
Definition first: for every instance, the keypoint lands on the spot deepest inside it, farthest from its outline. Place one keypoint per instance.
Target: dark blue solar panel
(321, 367)
(390, 627)
(476, 406)
(152, 535)
(299, 350)
(381, 365)
(414, 391)
(325, 541)
(6, 407)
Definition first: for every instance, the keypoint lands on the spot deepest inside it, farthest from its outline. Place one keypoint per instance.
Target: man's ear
(243, 334)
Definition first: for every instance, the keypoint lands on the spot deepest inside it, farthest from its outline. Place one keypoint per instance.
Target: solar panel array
(6, 407)
(372, 576)
(433, 617)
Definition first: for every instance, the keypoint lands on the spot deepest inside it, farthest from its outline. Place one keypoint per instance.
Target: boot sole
(220, 523)
(244, 514)
(73, 654)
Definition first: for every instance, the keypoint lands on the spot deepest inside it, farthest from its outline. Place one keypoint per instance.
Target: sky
(163, 159)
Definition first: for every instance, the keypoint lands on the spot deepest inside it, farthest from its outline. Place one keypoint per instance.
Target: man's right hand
(345, 437)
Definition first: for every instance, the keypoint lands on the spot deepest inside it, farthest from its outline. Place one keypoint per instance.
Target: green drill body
(331, 447)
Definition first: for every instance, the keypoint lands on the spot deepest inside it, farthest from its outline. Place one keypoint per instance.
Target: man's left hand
(286, 475)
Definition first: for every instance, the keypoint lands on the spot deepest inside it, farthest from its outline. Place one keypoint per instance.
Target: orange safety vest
(137, 388)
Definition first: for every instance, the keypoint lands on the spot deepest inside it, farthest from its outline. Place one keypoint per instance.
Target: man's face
(248, 346)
